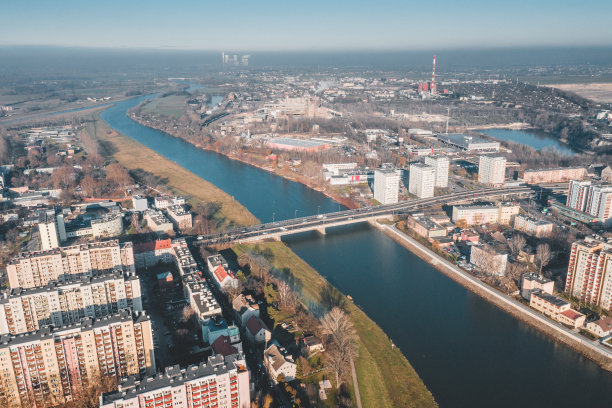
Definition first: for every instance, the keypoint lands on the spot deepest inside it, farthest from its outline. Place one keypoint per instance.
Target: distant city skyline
(277, 25)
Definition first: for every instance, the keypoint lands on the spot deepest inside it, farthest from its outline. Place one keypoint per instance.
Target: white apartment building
(593, 199)
(386, 185)
(533, 226)
(485, 214)
(48, 231)
(422, 180)
(180, 217)
(221, 382)
(32, 269)
(491, 170)
(441, 165)
(157, 221)
(488, 260)
(59, 304)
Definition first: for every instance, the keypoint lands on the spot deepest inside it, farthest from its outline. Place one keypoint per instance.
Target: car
(200, 237)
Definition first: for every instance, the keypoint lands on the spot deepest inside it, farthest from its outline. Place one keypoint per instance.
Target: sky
(307, 25)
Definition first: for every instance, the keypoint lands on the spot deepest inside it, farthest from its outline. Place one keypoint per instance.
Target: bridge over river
(320, 222)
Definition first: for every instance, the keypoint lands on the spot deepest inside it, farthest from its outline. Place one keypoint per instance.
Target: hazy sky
(305, 25)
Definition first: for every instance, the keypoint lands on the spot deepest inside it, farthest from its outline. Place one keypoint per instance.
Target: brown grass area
(132, 155)
(598, 92)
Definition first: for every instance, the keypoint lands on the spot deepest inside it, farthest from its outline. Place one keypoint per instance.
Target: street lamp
(295, 213)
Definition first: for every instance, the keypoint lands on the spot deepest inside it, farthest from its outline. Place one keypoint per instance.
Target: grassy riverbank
(385, 377)
(133, 156)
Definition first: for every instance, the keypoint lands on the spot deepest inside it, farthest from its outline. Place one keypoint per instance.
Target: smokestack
(433, 76)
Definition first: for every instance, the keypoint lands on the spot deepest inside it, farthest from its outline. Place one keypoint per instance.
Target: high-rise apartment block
(422, 180)
(386, 185)
(593, 199)
(491, 170)
(60, 304)
(222, 382)
(589, 273)
(48, 231)
(441, 166)
(50, 366)
(32, 269)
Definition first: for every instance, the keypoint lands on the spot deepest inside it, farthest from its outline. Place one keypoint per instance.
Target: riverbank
(595, 352)
(509, 126)
(347, 202)
(386, 378)
(134, 156)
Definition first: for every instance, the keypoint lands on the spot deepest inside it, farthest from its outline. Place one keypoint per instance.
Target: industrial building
(471, 144)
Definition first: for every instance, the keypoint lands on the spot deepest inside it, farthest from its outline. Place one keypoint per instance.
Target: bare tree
(341, 339)
(543, 256)
(517, 244)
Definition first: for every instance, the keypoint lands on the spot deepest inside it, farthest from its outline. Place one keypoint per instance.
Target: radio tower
(433, 77)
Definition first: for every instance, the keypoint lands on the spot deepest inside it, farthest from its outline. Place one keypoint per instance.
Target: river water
(468, 352)
(532, 138)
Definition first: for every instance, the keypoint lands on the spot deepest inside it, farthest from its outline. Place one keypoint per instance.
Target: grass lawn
(385, 377)
(134, 155)
(172, 105)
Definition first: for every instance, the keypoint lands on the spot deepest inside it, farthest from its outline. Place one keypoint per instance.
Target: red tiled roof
(221, 274)
(605, 323)
(223, 346)
(571, 314)
(152, 246)
(255, 324)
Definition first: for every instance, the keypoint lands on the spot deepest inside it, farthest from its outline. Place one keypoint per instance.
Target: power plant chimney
(433, 76)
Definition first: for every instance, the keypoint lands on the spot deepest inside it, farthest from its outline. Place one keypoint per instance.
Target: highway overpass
(278, 229)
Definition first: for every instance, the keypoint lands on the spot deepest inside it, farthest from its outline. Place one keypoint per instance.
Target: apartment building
(185, 262)
(48, 231)
(200, 297)
(485, 214)
(422, 180)
(556, 308)
(32, 269)
(60, 304)
(491, 170)
(533, 226)
(556, 175)
(162, 202)
(279, 362)
(151, 253)
(441, 165)
(157, 221)
(488, 260)
(51, 365)
(222, 382)
(219, 271)
(589, 272)
(140, 203)
(532, 281)
(386, 185)
(577, 194)
(180, 217)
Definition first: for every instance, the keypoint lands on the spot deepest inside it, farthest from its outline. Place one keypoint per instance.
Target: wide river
(468, 352)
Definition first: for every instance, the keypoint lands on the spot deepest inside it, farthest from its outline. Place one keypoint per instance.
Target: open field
(386, 378)
(172, 105)
(133, 156)
(598, 92)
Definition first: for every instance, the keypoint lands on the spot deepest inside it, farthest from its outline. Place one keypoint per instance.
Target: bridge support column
(321, 230)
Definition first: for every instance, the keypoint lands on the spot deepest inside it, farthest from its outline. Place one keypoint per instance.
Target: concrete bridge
(276, 230)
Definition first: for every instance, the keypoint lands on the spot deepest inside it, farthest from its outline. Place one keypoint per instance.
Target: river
(536, 139)
(468, 352)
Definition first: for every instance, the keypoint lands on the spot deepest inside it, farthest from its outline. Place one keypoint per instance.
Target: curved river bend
(468, 352)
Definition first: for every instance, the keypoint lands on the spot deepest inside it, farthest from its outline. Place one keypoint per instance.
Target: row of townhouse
(37, 268)
(52, 365)
(29, 309)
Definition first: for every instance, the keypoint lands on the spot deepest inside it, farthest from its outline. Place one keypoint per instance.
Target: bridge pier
(321, 230)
